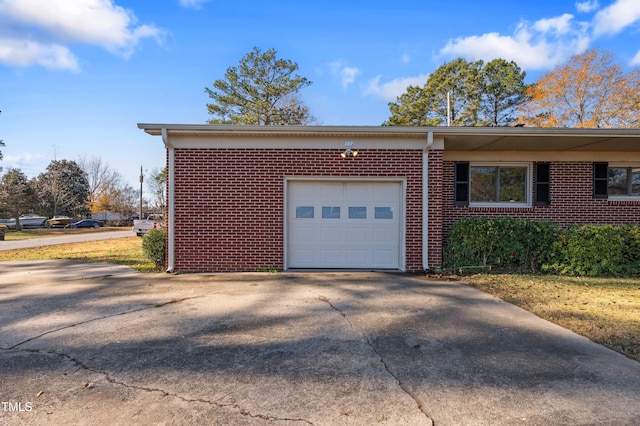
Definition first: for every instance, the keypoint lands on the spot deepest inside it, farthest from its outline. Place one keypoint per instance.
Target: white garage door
(344, 224)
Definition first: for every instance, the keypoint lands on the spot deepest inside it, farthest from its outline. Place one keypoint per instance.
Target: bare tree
(103, 181)
(157, 187)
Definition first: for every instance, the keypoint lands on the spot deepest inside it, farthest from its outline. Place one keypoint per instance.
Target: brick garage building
(246, 198)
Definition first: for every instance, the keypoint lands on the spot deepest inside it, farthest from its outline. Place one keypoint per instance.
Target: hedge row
(505, 244)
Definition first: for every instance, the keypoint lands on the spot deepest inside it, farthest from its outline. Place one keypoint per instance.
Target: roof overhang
(455, 138)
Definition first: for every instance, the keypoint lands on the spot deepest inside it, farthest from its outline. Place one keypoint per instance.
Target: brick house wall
(229, 209)
(572, 201)
(436, 211)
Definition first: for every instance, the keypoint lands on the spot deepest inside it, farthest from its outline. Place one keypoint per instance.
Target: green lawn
(122, 251)
(605, 310)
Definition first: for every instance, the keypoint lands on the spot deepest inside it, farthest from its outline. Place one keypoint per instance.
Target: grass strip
(122, 251)
(605, 310)
(29, 233)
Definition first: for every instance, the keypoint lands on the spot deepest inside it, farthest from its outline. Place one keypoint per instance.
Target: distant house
(245, 198)
(108, 216)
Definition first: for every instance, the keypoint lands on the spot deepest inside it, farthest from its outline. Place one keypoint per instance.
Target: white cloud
(540, 45)
(636, 59)
(30, 164)
(22, 53)
(347, 74)
(194, 4)
(390, 90)
(405, 58)
(587, 6)
(615, 18)
(57, 23)
(559, 25)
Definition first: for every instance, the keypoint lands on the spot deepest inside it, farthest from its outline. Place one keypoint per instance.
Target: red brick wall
(435, 212)
(230, 202)
(571, 200)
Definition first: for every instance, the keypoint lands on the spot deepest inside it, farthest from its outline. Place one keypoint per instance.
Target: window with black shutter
(600, 180)
(543, 184)
(461, 184)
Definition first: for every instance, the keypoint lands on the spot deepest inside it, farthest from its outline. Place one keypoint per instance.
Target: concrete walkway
(64, 239)
(94, 344)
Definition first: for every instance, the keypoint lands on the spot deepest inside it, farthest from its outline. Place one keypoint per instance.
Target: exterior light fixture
(349, 153)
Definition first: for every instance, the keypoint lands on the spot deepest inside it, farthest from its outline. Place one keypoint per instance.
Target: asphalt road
(64, 239)
(92, 344)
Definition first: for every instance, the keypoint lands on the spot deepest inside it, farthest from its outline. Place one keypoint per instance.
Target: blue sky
(76, 76)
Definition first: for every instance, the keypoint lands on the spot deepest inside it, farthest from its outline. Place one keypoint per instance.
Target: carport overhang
(570, 141)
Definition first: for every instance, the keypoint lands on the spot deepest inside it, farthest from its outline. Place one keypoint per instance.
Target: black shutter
(600, 180)
(543, 184)
(461, 178)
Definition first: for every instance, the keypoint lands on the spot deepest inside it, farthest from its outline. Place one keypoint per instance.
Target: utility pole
(448, 109)
(141, 180)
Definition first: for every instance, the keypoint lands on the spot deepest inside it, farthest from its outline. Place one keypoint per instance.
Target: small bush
(597, 250)
(502, 244)
(154, 247)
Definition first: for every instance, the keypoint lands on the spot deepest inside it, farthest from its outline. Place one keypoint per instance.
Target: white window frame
(528, 185)
(621, 197)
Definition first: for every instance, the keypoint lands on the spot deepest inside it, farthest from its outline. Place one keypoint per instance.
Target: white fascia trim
(295, 142)
(172, 203)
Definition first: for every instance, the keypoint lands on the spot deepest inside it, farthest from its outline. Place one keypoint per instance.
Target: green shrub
(154, 246)
(597, 250)
(502, 244)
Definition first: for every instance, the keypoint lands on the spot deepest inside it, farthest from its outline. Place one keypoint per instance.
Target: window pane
(331, 212)
(383, 213)
(635, 181)
(483, 184)
(617, 181)
(357, 212)
(304, 212)
(513, 184)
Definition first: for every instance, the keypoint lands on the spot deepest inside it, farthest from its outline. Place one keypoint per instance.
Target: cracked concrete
(86, 344)
(370, 343)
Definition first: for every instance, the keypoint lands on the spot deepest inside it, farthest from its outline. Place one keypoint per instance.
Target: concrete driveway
(100, 344)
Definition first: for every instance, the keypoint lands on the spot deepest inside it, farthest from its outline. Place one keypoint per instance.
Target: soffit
(455, 138)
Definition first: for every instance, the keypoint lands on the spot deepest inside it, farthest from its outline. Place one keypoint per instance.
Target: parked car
(85, 223)
(9, 223)
(31, 220)
(153, 221)
(58, 221)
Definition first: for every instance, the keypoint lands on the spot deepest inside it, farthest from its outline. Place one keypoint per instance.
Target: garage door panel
(304, 234)
(358, 192)
(360, 234)
(304, 257)
(331, 256)
(330, 233)
(383, 193)
(385, 257)
(344, 224)
(386, 234)
(357, 258)
(328, 191)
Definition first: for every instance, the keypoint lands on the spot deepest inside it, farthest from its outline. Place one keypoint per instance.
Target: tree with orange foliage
(588, 91)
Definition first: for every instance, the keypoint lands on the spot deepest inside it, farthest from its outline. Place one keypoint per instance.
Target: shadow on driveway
(302, 348)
